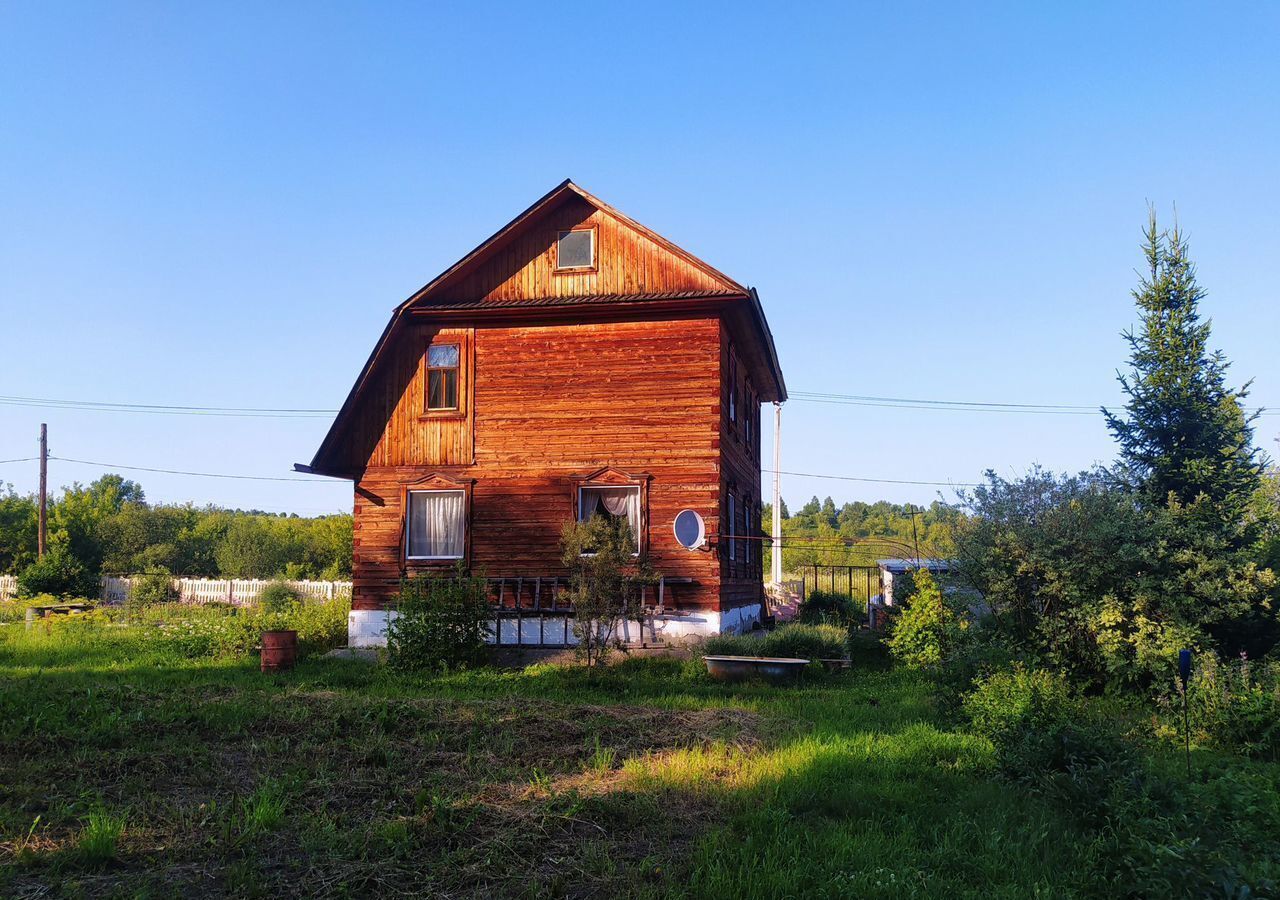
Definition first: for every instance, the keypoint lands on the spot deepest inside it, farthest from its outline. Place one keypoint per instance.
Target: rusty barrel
(279, 650)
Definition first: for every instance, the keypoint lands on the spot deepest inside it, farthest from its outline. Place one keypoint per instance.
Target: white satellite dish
(690, 530)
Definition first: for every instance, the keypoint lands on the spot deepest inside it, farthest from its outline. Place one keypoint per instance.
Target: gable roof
(428, 297)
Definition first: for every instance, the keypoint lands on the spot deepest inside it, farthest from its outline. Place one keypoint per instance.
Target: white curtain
(620, 502)
(437, 524)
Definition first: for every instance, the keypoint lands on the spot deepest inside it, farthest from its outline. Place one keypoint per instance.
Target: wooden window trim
(733, 388)
(610, 477)
(427, 483)
(557, 269)
(464, 344)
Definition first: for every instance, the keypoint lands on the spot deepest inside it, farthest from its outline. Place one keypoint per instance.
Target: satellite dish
(690, 530)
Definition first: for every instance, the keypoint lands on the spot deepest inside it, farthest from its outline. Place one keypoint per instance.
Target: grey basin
(740, 668)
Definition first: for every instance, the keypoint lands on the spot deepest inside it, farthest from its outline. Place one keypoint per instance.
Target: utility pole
(42, 532)
(777, 493)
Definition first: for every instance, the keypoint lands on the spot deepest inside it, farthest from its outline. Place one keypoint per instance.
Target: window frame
(408, 519)
(435, 483)
(609, 477)
(456, 369)
(733, 388)
(639, 507)
(595, 251)
(461, 339)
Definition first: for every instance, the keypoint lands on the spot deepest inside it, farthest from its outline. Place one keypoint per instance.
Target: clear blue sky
(219, 204)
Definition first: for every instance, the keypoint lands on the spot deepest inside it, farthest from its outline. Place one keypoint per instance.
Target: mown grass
(131, 772)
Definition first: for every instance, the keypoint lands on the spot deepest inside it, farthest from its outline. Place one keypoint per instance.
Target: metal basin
(740, 668)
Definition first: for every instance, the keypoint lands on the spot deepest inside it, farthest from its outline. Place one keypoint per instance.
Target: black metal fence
(858, 583)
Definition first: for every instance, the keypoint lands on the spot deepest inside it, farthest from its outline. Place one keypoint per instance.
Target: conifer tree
(1184, 436)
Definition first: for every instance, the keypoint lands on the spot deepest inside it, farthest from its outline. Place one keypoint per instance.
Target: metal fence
(858, 583)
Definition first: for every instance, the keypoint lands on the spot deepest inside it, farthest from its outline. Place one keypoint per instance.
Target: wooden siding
(627, 262)
(550, 405)
(742, 578)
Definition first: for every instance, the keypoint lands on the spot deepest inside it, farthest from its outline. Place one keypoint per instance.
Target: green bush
(1008, 702)
(789, 641)
(153, 588)
(58, 573)
(1233, 706)
(278, 595)
(440, 622)
(220, 630)
(826, 608)
(926, 628)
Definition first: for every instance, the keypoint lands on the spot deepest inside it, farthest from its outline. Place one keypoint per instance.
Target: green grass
(130, 771)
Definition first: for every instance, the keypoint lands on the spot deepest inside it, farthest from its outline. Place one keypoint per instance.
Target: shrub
(1017, 700)
(58, 573)
(1234, 706)
(606, 582)
(806, 642)
(790, 641)
(924, 629)
(153, 588)
(826, 608)
(440, 622)
(219, 630)
(278, 595)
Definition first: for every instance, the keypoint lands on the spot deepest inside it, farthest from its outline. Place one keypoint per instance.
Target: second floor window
(443, 361)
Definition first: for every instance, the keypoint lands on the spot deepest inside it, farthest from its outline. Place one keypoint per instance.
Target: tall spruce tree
(1184, 436)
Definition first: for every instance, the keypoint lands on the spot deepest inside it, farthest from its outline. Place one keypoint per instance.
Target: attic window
(442, 376)
(576, 250)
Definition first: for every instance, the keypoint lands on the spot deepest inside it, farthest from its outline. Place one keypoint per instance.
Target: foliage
(1006, 703)
(58, 573)
(228, 631)
(1234, 706)
(1185, 435)
(1079, 577)
(440, 622)
(828, 608)
(606, 582)
(859, 533)
(793, 641)
(152, 588)
(18, 518)
(925, 629)
(109, 527)
(97, 842)
(277, 595)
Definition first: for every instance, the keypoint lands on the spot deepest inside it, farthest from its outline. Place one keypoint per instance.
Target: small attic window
(576, 249)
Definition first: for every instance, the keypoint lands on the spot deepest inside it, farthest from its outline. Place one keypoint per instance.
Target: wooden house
(574, 363)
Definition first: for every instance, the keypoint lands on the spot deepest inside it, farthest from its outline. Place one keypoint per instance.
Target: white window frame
(639, 510)
(408, 524)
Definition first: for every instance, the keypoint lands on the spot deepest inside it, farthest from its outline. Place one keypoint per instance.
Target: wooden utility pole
(42, 532)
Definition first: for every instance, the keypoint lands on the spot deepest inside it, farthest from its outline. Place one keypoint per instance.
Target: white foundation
(368, 627)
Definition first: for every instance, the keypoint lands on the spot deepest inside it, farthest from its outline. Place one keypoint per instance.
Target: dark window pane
(575, 250)
(442, 389)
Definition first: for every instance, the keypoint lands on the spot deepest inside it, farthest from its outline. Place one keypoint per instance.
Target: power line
(962, 405)
(24, 459)
(878, 480)
(86, 462)
(161, 409)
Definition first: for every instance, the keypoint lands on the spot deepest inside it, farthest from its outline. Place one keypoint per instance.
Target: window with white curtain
(437, 524)
(612, 503)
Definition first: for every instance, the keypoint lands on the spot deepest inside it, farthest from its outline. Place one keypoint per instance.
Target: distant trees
(859, 533)
(109, 527)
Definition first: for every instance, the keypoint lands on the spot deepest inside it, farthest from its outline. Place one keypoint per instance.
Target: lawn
(131, 772)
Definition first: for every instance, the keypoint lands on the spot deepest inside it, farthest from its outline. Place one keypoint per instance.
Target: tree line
(108, 527)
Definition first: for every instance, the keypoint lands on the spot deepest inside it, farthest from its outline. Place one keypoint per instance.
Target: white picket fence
(237, 591)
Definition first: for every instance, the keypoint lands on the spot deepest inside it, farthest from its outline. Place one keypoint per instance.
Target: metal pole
(42, 530)
(777, 493)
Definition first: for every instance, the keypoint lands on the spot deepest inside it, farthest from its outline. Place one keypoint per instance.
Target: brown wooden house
(573, 363)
